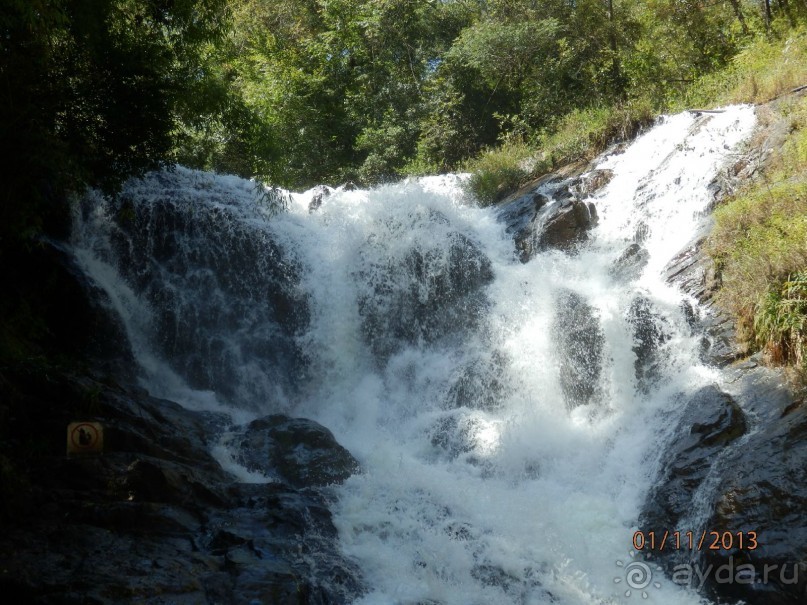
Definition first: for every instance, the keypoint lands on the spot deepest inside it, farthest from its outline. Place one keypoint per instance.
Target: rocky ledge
(550, 213)
(155, 518)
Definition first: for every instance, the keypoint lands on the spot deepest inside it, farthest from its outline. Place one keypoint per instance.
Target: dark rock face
(580, 341)
(693, 271)
(591, 182)
(744, 481)
(154, 519)
(711, 420)
(425, 296)
(548, 216)
(76, 317)
(516, 589)
(320, 193)
(630, 263)
(479, 384)
(194, 237)
(519, 215)
(762, 487)
(567, 225)
(300, 451)
(452, 435)
(650, 333)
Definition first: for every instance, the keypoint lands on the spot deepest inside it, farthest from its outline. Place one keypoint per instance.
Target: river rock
(297, 450)
(591, 182)
(318, 194)
(77, 320)
(548, 216)
(166, 243)
(479, 383)
(580, 341)
(424, 294)
(711, 420)
(693, 272)
(762, 487)
(567, 225)
(651, 331)
(719, 477)
(630, 263)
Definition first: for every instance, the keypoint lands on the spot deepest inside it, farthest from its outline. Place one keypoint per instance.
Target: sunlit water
(524, 498)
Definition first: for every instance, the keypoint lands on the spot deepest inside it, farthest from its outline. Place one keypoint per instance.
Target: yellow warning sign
(85, 438)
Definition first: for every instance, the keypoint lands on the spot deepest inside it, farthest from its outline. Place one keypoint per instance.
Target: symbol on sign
(84, 437)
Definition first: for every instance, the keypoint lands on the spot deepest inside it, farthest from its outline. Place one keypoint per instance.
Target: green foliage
(765, 68)
(759, 245)
(272, 200)
(681, 41)
(780, 322)
(92, 91)
(584, 133)
(499, 171)
(578, 136)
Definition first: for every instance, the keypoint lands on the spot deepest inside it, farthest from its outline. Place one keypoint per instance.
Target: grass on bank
(759, 244)
(579, 136)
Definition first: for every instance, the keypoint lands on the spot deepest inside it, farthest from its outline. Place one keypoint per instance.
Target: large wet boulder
(762, 487)
(741, 487)
(548, 216)
(651, 333)
(519, 214)
(630, 263)
(298, 451)
(591, 182)
(710, 422)
(721, 475)
(479, 383)
(51, 307)
(693, 271)
(434, 290)
(197, 250)
(580, 340)
(566, 224)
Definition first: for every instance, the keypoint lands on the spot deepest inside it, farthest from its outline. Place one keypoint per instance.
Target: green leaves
(506, 53)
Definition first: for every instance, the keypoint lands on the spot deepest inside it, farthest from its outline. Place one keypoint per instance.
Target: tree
(90, 94)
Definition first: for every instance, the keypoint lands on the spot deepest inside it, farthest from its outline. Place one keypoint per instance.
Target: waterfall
(508, 416)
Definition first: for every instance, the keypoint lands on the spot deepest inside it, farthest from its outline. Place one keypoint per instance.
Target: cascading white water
(431, 352)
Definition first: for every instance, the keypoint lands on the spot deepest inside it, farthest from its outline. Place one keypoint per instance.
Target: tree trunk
(766, 4)
(738, 11)
(616, 68)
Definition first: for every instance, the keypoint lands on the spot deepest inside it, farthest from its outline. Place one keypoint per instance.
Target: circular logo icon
(638, 576)
(84, 436)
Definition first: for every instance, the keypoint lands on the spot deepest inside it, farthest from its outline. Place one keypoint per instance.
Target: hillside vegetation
(759, 242)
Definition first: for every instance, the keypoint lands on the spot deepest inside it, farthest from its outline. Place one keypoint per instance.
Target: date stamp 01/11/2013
(658, 541)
